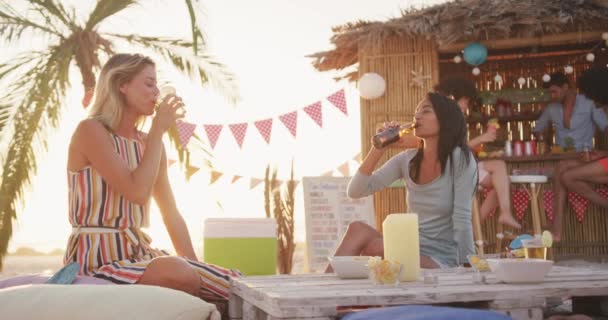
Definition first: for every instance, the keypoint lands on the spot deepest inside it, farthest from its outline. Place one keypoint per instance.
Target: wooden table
(318, 296)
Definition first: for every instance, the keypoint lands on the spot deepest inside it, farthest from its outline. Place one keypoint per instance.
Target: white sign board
(328, 211)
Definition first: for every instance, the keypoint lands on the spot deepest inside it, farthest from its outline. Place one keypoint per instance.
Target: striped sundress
(106, 238)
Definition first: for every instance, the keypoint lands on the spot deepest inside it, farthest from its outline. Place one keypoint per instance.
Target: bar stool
(533, 185)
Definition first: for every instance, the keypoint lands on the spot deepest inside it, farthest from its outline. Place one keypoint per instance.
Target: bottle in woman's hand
(391, 134)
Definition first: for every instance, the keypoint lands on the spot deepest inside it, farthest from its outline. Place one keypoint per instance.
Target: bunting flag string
(264, 126)
(343, 168)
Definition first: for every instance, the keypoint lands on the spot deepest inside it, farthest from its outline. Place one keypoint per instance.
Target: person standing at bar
(579, 175)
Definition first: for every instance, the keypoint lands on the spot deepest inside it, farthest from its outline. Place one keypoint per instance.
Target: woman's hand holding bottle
(394, 135)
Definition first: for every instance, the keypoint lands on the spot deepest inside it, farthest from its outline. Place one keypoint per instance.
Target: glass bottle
(391, 135)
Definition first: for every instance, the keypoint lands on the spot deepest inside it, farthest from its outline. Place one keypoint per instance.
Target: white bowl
(350, 267)
(520, 270)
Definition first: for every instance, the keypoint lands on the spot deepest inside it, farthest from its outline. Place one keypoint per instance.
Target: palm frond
(13, 24)
(105, 9)
(197, 33)
(56, 9)
(47, 86)
(176, 51)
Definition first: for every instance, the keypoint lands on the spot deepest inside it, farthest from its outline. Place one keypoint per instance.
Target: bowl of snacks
(520, 270)
(350, 267)
(384, 271)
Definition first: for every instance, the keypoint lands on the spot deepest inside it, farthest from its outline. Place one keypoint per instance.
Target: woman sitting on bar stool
(492, 173)
(593, 167)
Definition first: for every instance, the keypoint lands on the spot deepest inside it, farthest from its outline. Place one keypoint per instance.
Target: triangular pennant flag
(344, 169)
(235, 178)
(548, 204)
(190, 171)
(254, 183)
(603, 192)
(170, 162)
(185, 131)
(315, 112)
(339, 100)
(520, 202)
(358, 158)
(214, 176)
(578, 204)
(213, 133)
(290, 120)
(487, 191)
(265, 128)
(329, 173)
(239, 130)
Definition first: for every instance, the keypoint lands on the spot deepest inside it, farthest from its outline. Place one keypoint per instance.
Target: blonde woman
(113, 171)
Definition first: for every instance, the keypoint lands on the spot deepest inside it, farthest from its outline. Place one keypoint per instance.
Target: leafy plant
(281, 207)
(37, 80)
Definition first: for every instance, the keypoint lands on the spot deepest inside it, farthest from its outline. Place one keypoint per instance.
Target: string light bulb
(590, 57)
(476, 71)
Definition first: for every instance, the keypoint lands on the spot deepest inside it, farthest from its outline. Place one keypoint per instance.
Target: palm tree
(38, 80)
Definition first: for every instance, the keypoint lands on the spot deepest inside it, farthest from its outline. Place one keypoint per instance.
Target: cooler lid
(240, 228)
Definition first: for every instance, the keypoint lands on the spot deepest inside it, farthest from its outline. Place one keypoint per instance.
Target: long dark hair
(452, 135)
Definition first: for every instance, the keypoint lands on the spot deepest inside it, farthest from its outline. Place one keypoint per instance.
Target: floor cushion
(95, 302)
(424, 312)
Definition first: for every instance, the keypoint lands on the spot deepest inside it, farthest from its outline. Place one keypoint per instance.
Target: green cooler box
(246, 244)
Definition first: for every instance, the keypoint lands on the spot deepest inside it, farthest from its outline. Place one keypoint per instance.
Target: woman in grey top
(440, 177)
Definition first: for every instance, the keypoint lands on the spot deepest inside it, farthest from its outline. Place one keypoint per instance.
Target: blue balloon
(516, 243)
(475, 53)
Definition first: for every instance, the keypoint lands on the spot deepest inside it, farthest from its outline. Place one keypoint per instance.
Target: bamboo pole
(542, 41)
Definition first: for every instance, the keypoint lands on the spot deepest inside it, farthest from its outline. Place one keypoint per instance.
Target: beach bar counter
(525, 42)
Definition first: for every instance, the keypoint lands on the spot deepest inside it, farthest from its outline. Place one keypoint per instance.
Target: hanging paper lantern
(590, 57)
(605, 36)
(457, 59)
(568, 69)
(371, 86)
(546, 77)
(521, 81)
(498, 78)
(475, 53)
(476, 71)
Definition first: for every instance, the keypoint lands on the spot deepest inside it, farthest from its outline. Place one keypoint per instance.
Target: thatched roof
(466, 20)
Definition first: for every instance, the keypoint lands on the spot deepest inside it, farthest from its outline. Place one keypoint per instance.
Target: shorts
(604, 163)
(482, 172)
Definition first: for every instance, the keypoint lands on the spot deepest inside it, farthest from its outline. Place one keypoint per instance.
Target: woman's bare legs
(362, 239)
(579, 180)
(559, 196)
(489, 204)
(499, 179)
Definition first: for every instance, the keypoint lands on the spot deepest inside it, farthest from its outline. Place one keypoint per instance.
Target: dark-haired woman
(440, 177)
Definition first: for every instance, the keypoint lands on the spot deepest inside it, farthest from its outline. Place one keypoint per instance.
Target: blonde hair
(109, 101)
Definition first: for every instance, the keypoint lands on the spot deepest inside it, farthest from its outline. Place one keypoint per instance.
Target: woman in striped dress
(113, 171)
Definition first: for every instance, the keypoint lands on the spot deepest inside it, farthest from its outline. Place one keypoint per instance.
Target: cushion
(93, 302)
(39, 279)
(424, 312)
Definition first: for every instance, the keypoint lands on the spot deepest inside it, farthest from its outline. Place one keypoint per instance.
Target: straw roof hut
(517, 23)
(524, 38)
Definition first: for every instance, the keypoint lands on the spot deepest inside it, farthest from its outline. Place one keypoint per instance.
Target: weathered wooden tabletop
(318, 296)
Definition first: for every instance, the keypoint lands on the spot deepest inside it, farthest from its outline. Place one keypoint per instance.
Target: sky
(264, 43)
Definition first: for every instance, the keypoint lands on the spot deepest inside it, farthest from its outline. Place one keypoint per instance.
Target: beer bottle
(391, 135)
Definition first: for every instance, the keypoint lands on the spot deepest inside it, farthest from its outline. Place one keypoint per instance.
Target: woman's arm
(174, 222)
(367, 181)
(485, 137)
(465, 179)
